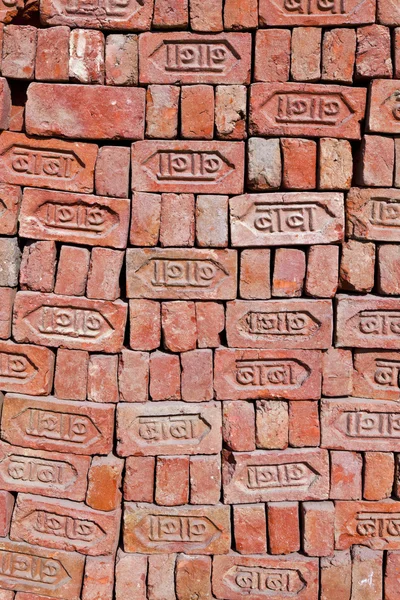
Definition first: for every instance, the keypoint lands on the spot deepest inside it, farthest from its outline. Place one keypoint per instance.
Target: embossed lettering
(50, 473)
(265, 580)
(281, 323)
(167, 528)
(284, 218)
(371, 425)
(181, 166)
(172, 428)
(379, 322)
(182, 273)
(79, 217)
(16, 366)
(67, 527)
(378, 525)
(270, 373)
(69, 321)
(310, 108)
(28, 567)
(387, 373)
(43, 163)
(384, 213)
(279, 476)
(315, 7)
(109, 8)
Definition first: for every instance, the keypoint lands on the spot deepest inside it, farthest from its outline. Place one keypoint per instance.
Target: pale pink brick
(7, 296)
(205, 479)
(337, 373)
(52, 54)
(130, 576)
(238, 425)
(86, 56)
(346, 475)
(19, 51)
(177, 220)
(289, 273)
(338, 55)
(104, 273)
(272, 424)
(112, 171)
(139, 478)
(103, 378)
(272, 58)
(322, 271)
(250, 529)
(133, 376)
(72, 271)
(206, 15)
(145, 324)
(197, 375)
(38, 266)
(122, 59)
(146, 219)
(165, 376)
(210, 318)
(255, 274)
(162, 104)
(170, 14)
(212, 221)
(318, 522)
(306, 53)
(179, 327)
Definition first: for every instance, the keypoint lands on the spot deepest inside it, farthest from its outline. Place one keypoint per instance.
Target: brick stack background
(200, 300)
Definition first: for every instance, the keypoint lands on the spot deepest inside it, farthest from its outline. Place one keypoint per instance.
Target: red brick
(74, 218)
(264, 169)
(145, 221)
(10, 259)
(177, 220)
(264, 476)
(337, 372)
(238, 426)
(373, 52)
(52, 54)
(289, 272)
(375, 163)
(56, 517)
(5, 104)
(232, 576)
(210, 318)
(161, 577)
(205, 479)
(178, 321)
(239, 15)
(249, 523)
(193, 577)
(336, 576)
(206, 15)
(356, 524)
(77, 323)
(165, 376)
(346, 475)
(162, 105)
(231, 53)
(231, 112)
(338, 55)
(383, 106)
(188, 166)
(26, 369)
(130, 574)
(304, 424)
(45, 473)
(211, 521)
(10, 200)
(98, 582)
(299, 164)
(104, 273)
(172, 480)
(283, 527)
(122, 59)
(272, 424)
(318, 522)
(197, 112)
(7, 296)
(103, 378)
(17, 122)
(105, 480)
(270, 102)
(272, 57)
(254, 219)
(255, 277)
(381, 224)
(38, 266)
(86, 56)
(322, 260)
(55, 164)
(396, 58)
(81, 111)
(170, 14)
(139, 478)
(19, 51)
(375, 375)
(306, 54)
(112, 172)
(357, 266)
(145, 324)
(335, 164)
(392, 575)
(378, 475)
(70, 382)
(286, 15)
(133, 376)
(388, 269)
(197, 375)
(169, 428)
(72, 271)
(6, 510)
(49, 424)
(212, 221)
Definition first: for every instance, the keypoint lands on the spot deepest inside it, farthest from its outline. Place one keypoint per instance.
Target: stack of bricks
(200, 300)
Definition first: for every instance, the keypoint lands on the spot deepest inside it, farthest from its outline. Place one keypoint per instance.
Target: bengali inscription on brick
(316, 12)
(384, 106)
(377, 375)
(372, 524)
(373, 214)
(284, 219)
(26, 369)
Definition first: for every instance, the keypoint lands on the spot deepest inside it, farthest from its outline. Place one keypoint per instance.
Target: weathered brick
(355, 523)
(357, 266)
(104, 483)
(86, 56)
(355, 13)
(375, 161)
(178, 321)
(255, 276)
(72, 271)
(367, 575)
(128, 568)
(318, 522)
(6, 510)
(162, 105)
(206, 15)
(70, 382)
(371, 214)
(177, 220)
(197, 112)
(172, 480)
(112, 172)
(304, 429)
(145, 219)
(336, 576)
(10, 259)
(322, 260)
(122, 59)
(283, 527)
(335, 164)
(103, 378)
(249, 525)
(272, 424)
(231, 112)
(289, 272)
(5, 104)
(375, 375)
(346, 475)
(212, 221)
(272, 57)
(299, 164)
(197, 375)
(170, 14)
(383, 107)
(193, 577)
(238, 426)
(205, 479)
(210, 318)
(392, 578)
(133, 376)
(145, 324)
(388, 260)
(52, 54)
(19, 51)
(240, 15)
(373, 52)
(98, 581)
(338, 55)
(26, 369)
(7, 296)
(104, 274)
(139, 478)
(38, 266)
(378, 475)
(264, 164)
(161, 577)
(165, 376)
(10, 200)
(306, 53)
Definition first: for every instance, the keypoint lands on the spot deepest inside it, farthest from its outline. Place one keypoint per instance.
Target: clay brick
(375, 375)
(165, 376)
(197, 112)
(56, 517)
(51, 163)
(197, 375)
(335, 164)
(104, 483)
(10, 259)
(85, 111)
(188, 166)
(336, 576)
(322, 260)
(272, 424)
(396, 58)
(72, 271)
(264, 476)
(230, 52)
(206, 15)
(77, 323)
(145, 324)
(49, 424)
(193, 577)
(212, 221)
(359, 424)
(271, 112)
(7, 296)
(318, 522)
(45, 473)
(139, 478)
(98, 581)
(70, 382)
(128, 568)
(357, 266)
(355, 13)
(255, 276)
(177, 220)
(373, 52)
(26, 369)
(52, 54)
(231, 112)
(388, 269)
(10, 200)
(103, 378)
(6, 510)
(145, 219)
(19, 51)
(112, 172)
(86, 56)
(169, 428)
(304, 424)
(210, 318)
(122, 59)
(306, 53)
(371, 214)
(367, 576)
(238, 426)
(162, 105)
(178, 321)
(375, 163)
(5, 104)
(283, 527)
(249, 525)
(227, 569)
(170, 14)
(264, 164)
(346, 475)
(289, 272)
(272, 57)
(378, 475)
(356, 524)
(17, 122)
(104, 273)
(172, 480)
(392, 578)
(161, 577)
(239, 15)
(38, 266)
(299, 164)
(383, 109)
(213, 522)
(255, 218)
(133, 376)
(205, 479)
(338, 55)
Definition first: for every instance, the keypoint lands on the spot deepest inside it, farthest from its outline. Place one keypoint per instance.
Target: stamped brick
(203, 167)
(194, 58)
(373, 214)
(250, 374)
(275, 577)
(372, 524)
(170, 428)
(64, 525)
(151, 529)
(264, 476)
(327, 110)
(27, 369)
(76, 323)
(292, 218)
(384, 107)
(304, 324)
(174, 274)
(376, 375)
(47, 423)
(10, 200)
(284, 13)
